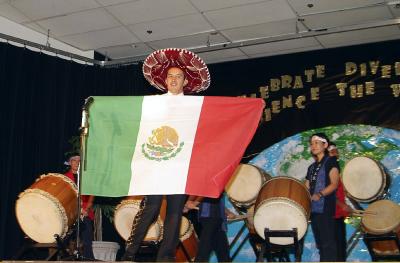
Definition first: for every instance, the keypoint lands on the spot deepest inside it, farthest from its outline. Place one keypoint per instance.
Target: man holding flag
(175, 83)
(170, 145)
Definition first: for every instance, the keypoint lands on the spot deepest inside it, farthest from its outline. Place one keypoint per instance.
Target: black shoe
(128, 256)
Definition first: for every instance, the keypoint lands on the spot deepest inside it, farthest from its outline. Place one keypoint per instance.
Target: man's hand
(84, 213)
(229, 214)
(315, 197)
(191, 204)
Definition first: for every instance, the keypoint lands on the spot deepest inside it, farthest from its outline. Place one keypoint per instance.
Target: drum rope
(136, 220)
(286, 201)
(188, 232)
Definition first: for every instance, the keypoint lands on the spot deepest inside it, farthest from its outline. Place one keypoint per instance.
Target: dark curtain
(42, 97)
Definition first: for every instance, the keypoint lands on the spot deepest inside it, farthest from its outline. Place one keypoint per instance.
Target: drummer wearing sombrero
(176, 72)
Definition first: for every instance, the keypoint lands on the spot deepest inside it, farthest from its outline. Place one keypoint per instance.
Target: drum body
(244, 185)
(283, 203)
(124, 214)
(364, 179)
(189, 241)
(383, 217)
(47, 207)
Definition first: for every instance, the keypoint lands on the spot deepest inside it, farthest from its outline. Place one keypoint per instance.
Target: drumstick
(238, 218)
(363, 212)
(356, 214)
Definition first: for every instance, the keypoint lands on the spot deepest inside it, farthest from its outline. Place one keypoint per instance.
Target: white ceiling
(123, 29)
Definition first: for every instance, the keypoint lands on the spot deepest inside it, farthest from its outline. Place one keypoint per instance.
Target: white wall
(16, 30)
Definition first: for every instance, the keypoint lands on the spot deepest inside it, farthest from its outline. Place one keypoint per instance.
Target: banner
(166, 144)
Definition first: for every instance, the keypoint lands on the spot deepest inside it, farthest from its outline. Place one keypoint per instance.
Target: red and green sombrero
(156, 65)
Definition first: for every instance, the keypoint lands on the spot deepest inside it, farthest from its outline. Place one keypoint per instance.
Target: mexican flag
(166, 144)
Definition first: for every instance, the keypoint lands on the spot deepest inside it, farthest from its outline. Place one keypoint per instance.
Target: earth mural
(291, 157)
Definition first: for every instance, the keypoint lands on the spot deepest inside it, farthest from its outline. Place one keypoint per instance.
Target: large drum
(124, 214)
(382, 217)
(283, 203)
(48, 207)
(364, 179)
(244, 185)
(187, 249)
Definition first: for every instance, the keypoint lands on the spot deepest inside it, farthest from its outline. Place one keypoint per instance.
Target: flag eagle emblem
(163, 144)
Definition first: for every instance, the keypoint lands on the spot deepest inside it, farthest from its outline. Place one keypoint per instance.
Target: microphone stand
(84, 131)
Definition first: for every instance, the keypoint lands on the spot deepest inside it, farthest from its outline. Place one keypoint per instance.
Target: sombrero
(156, 65)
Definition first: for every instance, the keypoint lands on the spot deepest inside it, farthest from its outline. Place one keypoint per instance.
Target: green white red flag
(166, 144)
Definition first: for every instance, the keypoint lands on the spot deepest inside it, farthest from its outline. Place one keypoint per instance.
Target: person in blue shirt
(322, 181)
(212, 216)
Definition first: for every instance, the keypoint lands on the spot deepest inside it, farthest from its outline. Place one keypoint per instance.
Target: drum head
(40, 217)
(381, 217)
(123, 220)
(280, 214)
(363, 179)
(245, 183)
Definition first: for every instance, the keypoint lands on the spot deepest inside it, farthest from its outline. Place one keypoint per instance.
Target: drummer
(342, 211)
(322, 180)
(87, 213)
(212, 217)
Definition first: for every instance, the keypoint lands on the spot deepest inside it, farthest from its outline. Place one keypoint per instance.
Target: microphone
(88, 101)
(85, 115)
(84, 118)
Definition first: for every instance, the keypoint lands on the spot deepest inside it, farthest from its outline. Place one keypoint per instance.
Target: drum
(124, 214)
(48, 207)
(364, 179)
(382, 217)
(189, 241)
(283, 203)
(244, 185)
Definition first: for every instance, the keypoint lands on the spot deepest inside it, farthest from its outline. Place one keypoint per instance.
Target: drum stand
(56, 251)
(240, 211)
(185, 252)
(237, 236)
(369, 240)
(270, 250)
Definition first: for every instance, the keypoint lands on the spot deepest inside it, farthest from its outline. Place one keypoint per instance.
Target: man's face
(175, 80)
